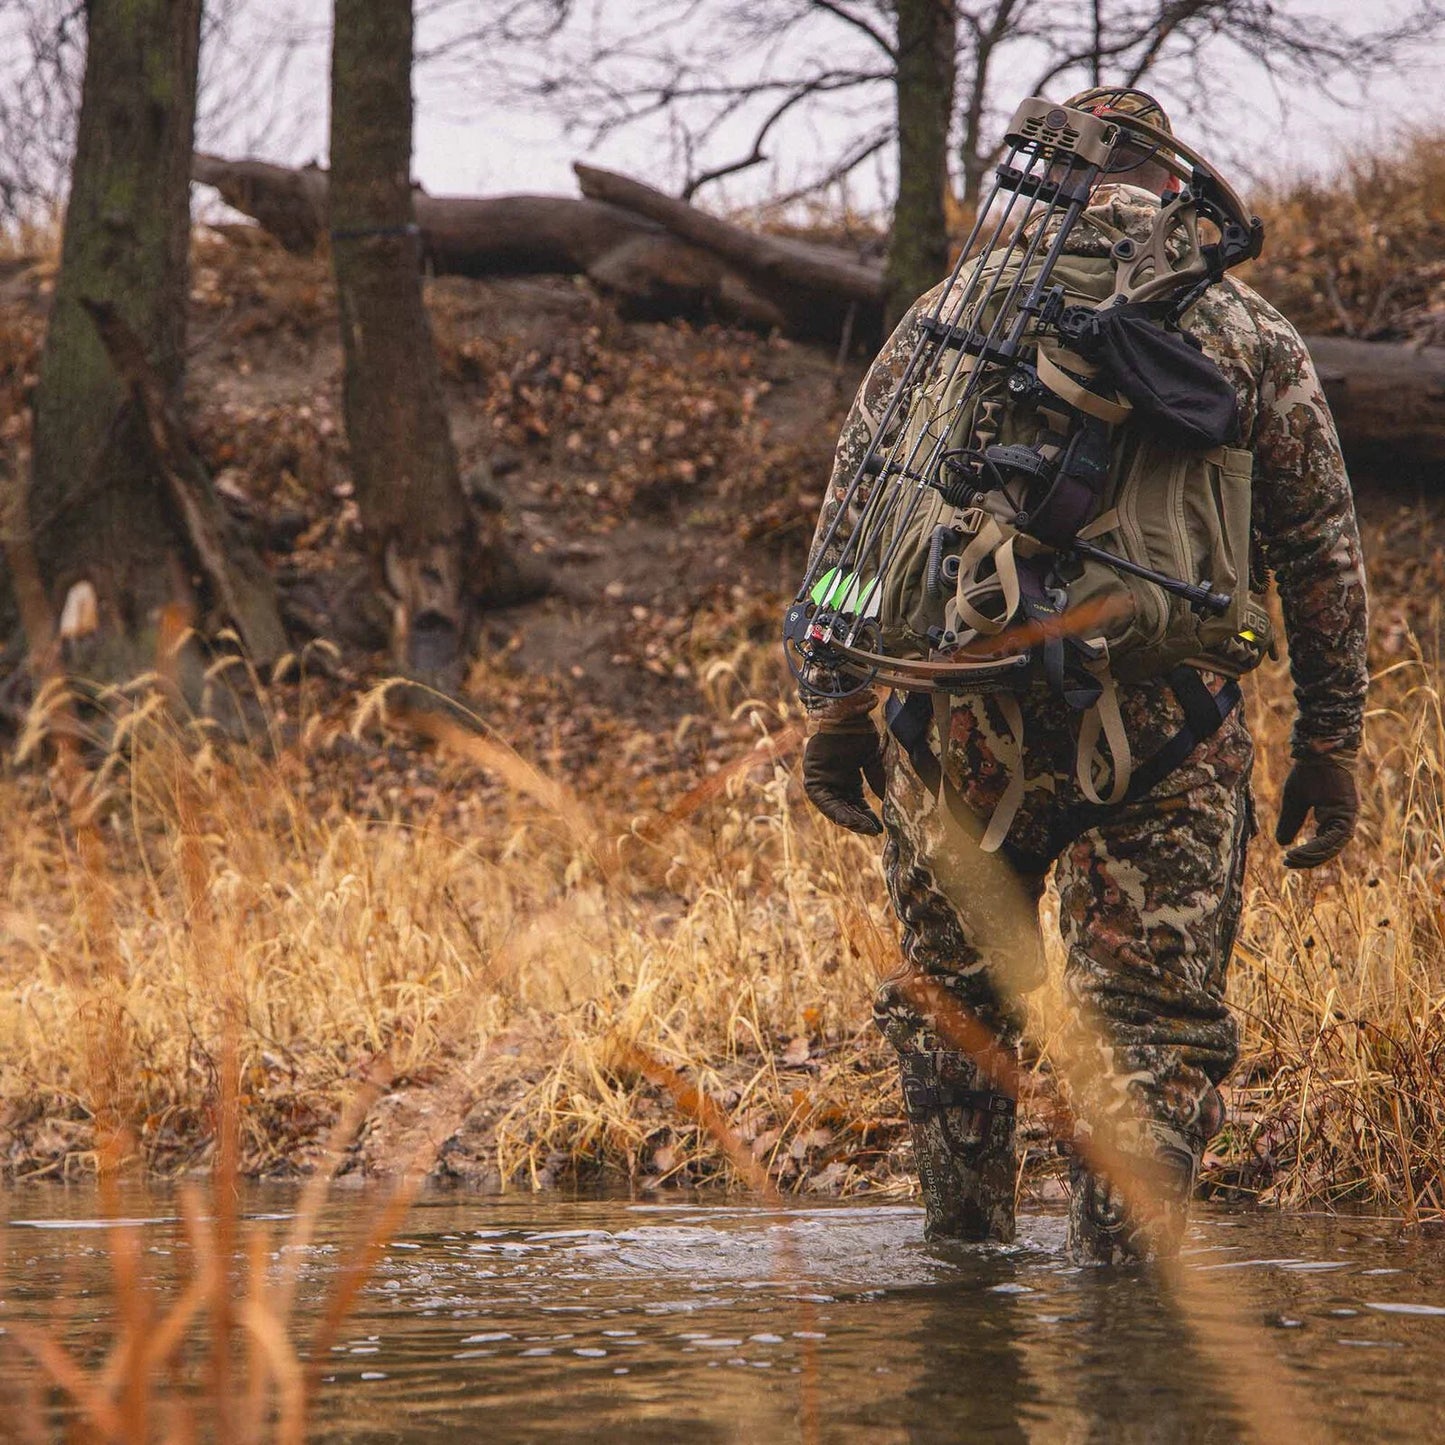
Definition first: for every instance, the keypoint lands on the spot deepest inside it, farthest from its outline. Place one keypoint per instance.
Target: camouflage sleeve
(865, 417)
(1304, 521)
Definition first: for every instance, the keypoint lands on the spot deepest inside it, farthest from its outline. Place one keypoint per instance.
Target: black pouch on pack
(1179, 395)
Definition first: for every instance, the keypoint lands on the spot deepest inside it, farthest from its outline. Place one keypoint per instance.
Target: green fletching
(845, 592)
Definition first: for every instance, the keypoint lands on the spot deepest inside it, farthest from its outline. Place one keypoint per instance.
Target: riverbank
(549, 927)
(528, 957)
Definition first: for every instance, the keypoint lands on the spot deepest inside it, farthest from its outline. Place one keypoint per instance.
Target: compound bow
(989, 317)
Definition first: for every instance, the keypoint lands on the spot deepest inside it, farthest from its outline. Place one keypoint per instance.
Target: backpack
(1054, 489)
(956, 580)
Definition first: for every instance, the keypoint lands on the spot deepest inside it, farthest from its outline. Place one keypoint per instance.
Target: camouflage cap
(1121, 100)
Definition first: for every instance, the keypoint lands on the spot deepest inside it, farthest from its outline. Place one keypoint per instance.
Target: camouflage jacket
(1304, 525)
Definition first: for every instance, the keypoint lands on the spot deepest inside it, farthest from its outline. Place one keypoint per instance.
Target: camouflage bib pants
(1149, 903)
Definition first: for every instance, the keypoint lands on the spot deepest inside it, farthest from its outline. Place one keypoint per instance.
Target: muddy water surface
(523, 1319)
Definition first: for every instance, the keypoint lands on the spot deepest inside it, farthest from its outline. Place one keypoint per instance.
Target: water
(521, 1318)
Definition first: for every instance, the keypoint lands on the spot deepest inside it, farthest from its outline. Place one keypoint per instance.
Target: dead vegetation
(228, 1339)
(1357, 252)
(510, 944)
(609, 861)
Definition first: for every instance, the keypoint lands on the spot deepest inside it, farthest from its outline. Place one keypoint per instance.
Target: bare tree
(918, 248)
(248, 51)
(417, 521)
(42, 57)
(1181, 46)
(121, 524)
(733, 84)
(724, 86)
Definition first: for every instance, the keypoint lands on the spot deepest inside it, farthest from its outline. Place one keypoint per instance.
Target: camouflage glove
(1326, 786)
(835, 763)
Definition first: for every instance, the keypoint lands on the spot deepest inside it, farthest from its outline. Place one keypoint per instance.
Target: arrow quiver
(1016, 514)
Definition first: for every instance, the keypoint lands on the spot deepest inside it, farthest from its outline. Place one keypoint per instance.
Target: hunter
(1149, 889)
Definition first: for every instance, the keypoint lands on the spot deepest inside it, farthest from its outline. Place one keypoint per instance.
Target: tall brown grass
(507, 943)
(1341, 980)
(257, 1369)
(259, 1380)
(234, 884)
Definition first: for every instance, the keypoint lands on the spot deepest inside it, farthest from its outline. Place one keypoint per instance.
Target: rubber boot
(1105, 1228)
(963, 1143)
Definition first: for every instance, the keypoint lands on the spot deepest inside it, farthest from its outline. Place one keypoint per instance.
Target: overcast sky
(467, 142)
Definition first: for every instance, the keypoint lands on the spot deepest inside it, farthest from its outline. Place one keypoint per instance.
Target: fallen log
(289, 204)
(1388, 400)
(814, 276)
(661, 257)
(651, 272)
(800, 263)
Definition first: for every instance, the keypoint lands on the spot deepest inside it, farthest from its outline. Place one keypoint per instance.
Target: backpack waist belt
(909, 714)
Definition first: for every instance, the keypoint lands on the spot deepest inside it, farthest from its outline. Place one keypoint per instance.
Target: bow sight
(1003, 333)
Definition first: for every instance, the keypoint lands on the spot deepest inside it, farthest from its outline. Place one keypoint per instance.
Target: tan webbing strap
(990, 541)
(1104, 522)
(1013, 760)
(1010, 759)
(1104, 718)
(1076, 393)
(1010, 756)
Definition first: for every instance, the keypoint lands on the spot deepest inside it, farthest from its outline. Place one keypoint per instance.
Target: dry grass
(31, 242)
(223, 1343)
(1358, 250)
(1341, 982)
(189, 881)
(509, 945)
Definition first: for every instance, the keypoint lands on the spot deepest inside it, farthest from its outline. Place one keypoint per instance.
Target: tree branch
(865, 150)
(822, 85)
(858, 23)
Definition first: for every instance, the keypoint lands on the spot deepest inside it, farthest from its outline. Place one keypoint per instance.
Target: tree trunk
(97, 509)
(973, 162)
(414, 513)
(918, 250)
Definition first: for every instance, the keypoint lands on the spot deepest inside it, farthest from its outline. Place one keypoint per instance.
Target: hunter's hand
(1326, 787)
(834, 767)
